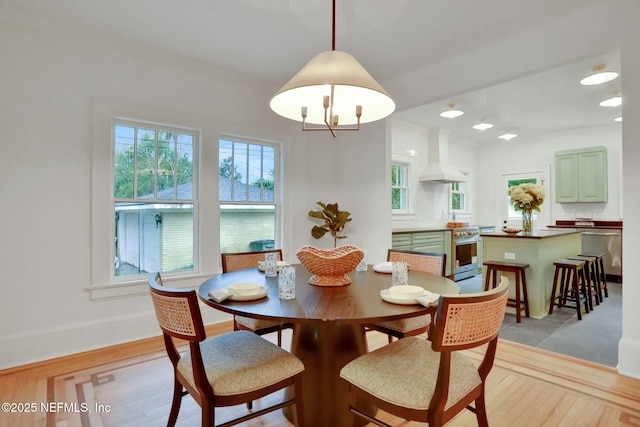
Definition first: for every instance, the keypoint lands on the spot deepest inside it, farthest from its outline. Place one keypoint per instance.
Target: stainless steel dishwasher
(608, 242)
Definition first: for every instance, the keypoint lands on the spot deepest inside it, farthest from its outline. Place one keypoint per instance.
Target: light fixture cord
(333, 28)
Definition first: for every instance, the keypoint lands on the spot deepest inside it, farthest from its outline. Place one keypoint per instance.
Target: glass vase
(527, 221)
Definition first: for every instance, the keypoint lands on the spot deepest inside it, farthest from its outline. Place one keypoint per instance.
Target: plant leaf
(318, 232)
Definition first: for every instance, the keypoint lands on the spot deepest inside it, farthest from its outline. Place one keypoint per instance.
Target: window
(248, 195)
(458, 199)
(153, 198)
(399, 187)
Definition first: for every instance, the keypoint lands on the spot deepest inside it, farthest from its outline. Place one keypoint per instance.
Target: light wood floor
(131, 384)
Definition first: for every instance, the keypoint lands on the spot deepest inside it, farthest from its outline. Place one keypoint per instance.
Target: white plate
(244, 288)
(279, 266)
(383, 267)
(262, 292)
(386, 295)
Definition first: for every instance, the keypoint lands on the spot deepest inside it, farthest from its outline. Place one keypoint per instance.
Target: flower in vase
(526, 197)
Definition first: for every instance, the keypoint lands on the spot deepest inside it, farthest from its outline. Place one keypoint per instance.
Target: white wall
(352, 171)
(529, 153)
(55, 87)
(629, 348)
(429, 200)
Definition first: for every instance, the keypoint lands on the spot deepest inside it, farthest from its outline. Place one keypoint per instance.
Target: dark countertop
(536, 234)
(443, 228)
(418, 229)
(596, 224)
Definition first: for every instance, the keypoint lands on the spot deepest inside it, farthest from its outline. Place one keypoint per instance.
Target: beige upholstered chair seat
(255, 324)
(408, 324)
(235, 363)
(405, 374)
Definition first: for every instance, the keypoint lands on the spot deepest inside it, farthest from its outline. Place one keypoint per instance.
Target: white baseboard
(629, 357)
(49, 343)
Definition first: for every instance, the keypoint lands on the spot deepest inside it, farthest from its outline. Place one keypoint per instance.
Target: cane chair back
(177, 311)
(418, 261)
(229, 369)
(240, 261)
(433, 381)
(426, 262)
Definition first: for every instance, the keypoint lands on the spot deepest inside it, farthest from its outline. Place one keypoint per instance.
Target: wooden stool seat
(572, 283)
(521, 301)
(602, 277)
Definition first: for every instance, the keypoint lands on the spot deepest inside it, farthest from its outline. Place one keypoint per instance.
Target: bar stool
(521, 301)
(572, 278)
(592, 279)
(602, 277)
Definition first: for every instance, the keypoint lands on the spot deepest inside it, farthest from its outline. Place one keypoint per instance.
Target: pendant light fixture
(451, 113)
(600, 75)
(508, 136)
(483, 125)
(616, 101)
(332, 92)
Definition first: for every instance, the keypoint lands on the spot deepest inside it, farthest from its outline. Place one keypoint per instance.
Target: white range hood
(438, 169)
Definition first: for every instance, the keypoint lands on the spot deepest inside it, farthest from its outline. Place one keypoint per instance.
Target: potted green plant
(330, 267)
(334, 221)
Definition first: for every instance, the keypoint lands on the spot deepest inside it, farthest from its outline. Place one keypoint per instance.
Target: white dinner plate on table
(430, 298)
(383, 267)
(261, 293)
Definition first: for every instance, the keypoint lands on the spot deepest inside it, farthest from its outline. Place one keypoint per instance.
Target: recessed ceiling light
(618, 119)
(616, 101)
(451, 113)
(600, 75)
(508, 136)
(483, 126)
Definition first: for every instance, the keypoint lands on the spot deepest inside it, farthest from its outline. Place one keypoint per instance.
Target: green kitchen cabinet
(581, 175)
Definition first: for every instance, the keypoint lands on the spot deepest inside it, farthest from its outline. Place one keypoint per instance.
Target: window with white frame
(153, 198)
(248, 194)
(399, 187)
(458, 197)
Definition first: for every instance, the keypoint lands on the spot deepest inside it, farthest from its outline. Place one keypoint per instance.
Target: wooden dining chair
(418, 261)
(240, 261)
(432, 381)
(226, 370)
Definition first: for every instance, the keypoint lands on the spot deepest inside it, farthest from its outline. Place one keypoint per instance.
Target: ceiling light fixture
(332, 92)
(508, 136)
(451, 113)
(483, 125)
(600, 75)
(616, 101)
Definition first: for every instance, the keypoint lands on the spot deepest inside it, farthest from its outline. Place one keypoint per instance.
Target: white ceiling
(514, 63)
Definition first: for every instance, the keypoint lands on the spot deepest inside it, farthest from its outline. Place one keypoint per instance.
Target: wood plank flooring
(130, 385)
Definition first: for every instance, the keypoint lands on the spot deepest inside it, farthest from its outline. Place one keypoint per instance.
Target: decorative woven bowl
(330, 267)
(512, 230)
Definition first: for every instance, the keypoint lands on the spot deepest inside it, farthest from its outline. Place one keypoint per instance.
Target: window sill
(403, 216)
(140, 287)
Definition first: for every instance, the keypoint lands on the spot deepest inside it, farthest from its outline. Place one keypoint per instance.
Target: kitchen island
(539, 249)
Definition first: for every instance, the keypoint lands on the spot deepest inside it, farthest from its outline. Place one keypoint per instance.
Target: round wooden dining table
(328, 326)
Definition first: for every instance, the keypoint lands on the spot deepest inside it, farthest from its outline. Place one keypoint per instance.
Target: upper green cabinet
(581, 175)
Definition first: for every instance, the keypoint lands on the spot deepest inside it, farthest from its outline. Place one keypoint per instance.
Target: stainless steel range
(465, 252)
